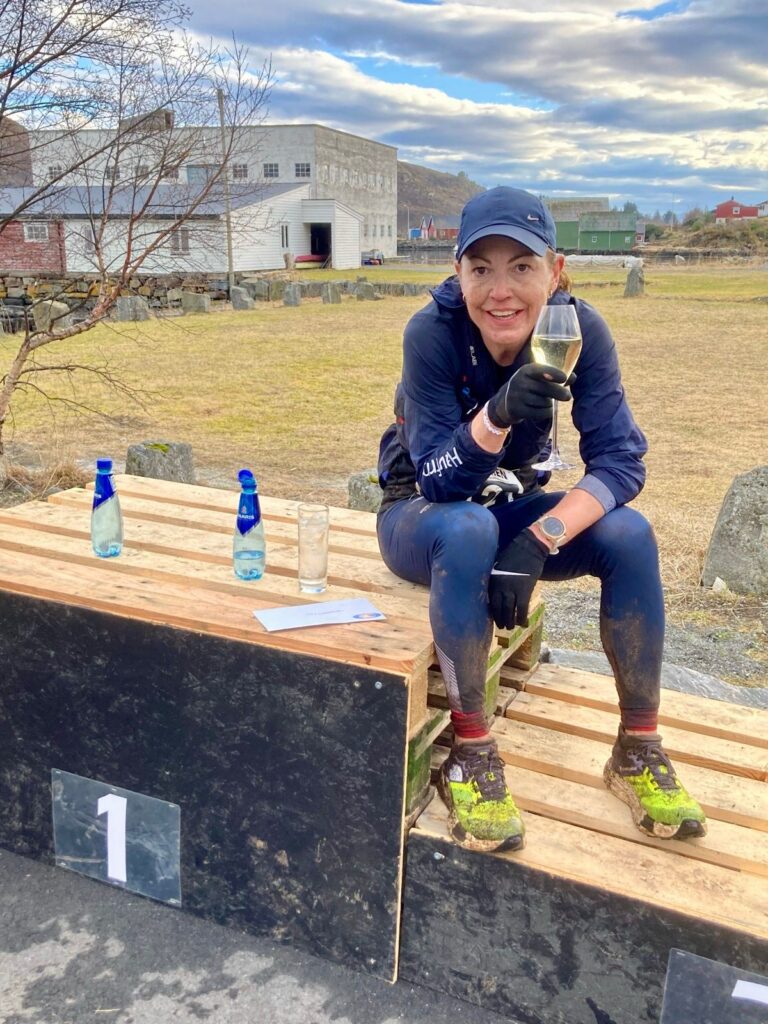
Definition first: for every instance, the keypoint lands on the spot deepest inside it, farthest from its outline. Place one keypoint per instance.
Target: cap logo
(532, 216)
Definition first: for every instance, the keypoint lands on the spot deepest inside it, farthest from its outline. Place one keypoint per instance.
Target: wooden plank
(682, 745)
(383, 644)
(164, 561)
(219, 521)
(223, 500)
(731, 846)
(737, 800)
(363, 577)
(681, 710)
(653, 876)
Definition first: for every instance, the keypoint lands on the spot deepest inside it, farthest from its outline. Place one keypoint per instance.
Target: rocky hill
(422, 192)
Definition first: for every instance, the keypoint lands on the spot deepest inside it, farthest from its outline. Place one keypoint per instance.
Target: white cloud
(579, 93)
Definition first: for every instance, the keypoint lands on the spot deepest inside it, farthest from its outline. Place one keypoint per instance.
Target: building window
(373, 230)
(736, 209)
(381, 231)
(112, 172)
(180, 241)
(303, 171)
(142, 170)
(198, 174)
(55, 172)
(284, 235)
(594, 238)
(389, 230)
(35, 232)
(365, 231)
(171, 173)
(271, 171)
(240, 172)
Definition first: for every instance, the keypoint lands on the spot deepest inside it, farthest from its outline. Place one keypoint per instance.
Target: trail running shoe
(640, 773)
(483, 815)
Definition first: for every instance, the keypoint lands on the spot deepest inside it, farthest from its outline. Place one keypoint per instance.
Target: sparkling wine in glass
(556, 341)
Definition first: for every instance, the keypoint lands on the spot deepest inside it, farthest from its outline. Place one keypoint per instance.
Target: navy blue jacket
(448, 375)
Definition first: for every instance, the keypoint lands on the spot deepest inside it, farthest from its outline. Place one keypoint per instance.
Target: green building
(608, 232)
(588, 225)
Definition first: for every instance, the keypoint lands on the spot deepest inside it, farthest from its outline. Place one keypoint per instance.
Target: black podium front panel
(288, 770)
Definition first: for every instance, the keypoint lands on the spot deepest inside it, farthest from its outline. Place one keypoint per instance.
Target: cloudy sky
(662, 104)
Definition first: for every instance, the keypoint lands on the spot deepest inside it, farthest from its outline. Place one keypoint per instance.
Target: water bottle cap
(104, 465)
(245, 476)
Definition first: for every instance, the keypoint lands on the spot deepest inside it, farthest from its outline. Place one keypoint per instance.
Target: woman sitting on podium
(464, 509)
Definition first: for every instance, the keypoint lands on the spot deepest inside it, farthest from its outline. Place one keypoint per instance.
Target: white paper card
(320, 613)
(751, 990)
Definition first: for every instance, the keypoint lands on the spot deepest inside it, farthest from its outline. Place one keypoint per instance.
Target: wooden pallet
(709, 895)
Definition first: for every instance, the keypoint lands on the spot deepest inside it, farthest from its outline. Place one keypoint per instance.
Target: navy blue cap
(511, 212)
(103, 465)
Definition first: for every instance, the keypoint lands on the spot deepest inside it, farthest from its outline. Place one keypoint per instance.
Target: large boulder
(132, 307)
(161, 460)
(50, 315)
(738, 550)
(331, 293)
(240, 298)
(195, 302)
(292, 294)
(257, 288)
(364, 491)
(635, 282)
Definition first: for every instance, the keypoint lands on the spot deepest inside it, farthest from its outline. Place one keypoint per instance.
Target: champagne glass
(556, 341)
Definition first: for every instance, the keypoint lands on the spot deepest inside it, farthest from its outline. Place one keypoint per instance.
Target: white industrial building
(320, 192)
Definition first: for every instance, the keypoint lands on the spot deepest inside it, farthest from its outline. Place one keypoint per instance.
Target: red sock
(640, 719)
(469, 725)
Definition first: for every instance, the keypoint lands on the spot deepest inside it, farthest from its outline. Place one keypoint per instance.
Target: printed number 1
(114, 808)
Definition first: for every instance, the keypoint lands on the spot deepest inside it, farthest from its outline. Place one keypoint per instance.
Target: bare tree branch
(101, 101)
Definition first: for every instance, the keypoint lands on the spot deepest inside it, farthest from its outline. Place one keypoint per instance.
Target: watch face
(552, 527)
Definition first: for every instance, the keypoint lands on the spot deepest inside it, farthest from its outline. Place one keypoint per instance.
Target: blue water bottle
(248, 545)
(106, 518)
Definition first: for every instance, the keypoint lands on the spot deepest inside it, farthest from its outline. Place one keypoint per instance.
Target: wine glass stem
(555, 450)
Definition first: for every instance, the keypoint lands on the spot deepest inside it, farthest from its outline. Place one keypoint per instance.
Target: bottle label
(104, 490)
(248, 513)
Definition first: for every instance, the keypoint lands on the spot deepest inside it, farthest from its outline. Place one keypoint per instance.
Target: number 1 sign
(123, 838)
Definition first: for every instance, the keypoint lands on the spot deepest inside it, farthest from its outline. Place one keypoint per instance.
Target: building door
(320, 239)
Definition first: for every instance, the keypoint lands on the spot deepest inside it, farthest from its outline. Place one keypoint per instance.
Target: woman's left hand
(513, 578)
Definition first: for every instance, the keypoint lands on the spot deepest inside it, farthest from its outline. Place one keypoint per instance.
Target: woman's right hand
(528, 395)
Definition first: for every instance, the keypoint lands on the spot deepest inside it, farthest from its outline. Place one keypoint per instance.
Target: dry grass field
(302, 395)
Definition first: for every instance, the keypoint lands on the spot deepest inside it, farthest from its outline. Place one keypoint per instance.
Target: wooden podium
(298, 761)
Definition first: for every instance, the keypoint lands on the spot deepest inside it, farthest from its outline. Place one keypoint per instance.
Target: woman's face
(505, 287)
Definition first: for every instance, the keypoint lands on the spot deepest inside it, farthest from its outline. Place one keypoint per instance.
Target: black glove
(528, 396)
(510, 595)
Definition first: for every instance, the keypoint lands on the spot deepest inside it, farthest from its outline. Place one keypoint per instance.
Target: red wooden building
(732, 209)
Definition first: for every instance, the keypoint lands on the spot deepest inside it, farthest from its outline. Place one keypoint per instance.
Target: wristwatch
(554, 530)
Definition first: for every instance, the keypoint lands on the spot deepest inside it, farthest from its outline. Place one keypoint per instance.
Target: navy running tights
(452, 546)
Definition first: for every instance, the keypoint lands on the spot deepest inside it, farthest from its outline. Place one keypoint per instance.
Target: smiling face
(505, 287)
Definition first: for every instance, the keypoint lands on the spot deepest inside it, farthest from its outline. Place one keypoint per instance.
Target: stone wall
(165, 291)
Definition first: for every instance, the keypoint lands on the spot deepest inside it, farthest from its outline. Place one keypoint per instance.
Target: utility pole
(227, 201)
